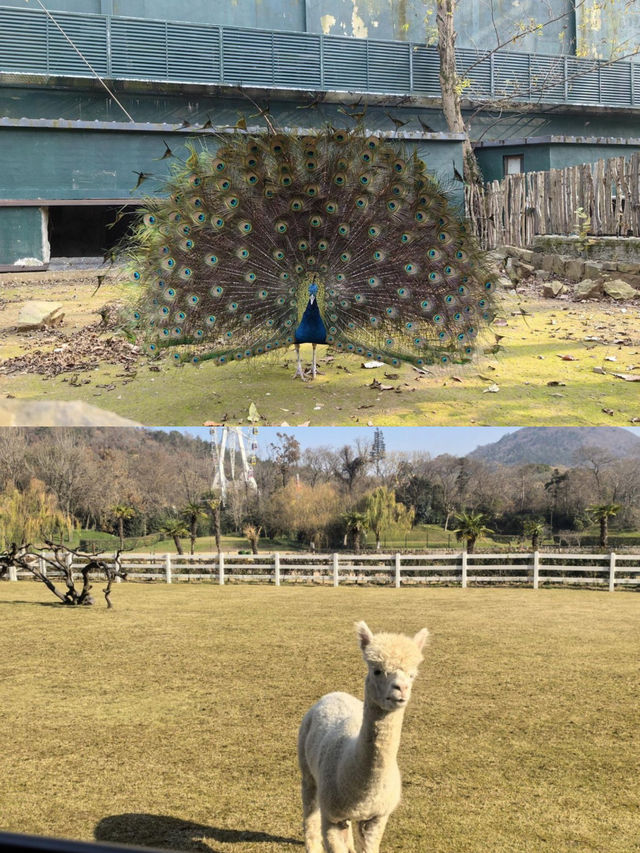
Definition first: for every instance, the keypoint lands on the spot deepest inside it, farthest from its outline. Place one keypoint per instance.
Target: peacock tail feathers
(226, 259)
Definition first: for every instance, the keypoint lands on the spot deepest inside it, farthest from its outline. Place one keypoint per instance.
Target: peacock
(277, 239)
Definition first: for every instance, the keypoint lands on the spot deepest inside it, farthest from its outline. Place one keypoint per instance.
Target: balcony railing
(174, 52)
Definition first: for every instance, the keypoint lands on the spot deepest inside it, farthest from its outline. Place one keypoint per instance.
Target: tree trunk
(534, 542)
(178, 544)
(121, 532)
(192, 535)
(449, 87)
(471, 544)
(604, 531)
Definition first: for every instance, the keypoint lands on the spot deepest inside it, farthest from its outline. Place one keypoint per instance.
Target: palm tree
(535, 529)
(470, 529)
(176, 529)
(193, 512)
(356, 525)
(213, 503)
(602, 513)
(122, 512)
(253, 535)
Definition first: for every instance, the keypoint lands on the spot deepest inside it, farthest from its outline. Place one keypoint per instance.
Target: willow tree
(383, 511)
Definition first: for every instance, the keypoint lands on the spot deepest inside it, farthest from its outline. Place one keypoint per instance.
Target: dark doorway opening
(87, 231)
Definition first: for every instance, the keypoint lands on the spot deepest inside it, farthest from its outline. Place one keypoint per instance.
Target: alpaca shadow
(148, 830)
(33, 603)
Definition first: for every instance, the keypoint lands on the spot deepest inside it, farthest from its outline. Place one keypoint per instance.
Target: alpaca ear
(364, 633)
(421, 638)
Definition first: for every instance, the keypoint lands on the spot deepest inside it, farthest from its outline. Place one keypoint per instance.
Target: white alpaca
(347, 749)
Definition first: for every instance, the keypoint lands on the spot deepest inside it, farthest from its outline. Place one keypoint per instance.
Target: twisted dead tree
(60, 559)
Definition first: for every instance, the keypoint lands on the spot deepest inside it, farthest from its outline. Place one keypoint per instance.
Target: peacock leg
(299, 371)
(313, 362)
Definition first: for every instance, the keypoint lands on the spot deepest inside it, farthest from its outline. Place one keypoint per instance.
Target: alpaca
(347, 749)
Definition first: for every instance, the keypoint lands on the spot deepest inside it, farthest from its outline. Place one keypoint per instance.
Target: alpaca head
(393, 661)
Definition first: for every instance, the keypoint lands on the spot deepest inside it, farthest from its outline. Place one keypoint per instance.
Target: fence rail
(460, 568)
(514, 210)
(143, 49)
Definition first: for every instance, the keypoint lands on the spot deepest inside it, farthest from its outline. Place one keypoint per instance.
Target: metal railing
(144, 49)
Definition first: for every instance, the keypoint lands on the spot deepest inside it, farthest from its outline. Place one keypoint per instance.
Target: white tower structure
(226, 443)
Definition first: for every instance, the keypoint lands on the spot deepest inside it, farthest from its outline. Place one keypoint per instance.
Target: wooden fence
(511, 212)
(451, 568)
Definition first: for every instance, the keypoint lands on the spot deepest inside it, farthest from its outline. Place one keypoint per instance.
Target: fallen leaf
(369, 365)
(568, 357)
(608, 411)
(555, 383)
(492, 389)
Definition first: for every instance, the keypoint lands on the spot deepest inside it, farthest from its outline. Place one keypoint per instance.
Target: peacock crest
(278, 239)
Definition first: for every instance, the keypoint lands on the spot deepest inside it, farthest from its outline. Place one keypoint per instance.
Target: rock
(547, 263)
(31, 413)
(503, 282)
(522, 270)
(592, 270)
(634, 269)
(559, 265)
(574, 270)
(618, 289)
(553, 289)
(525, 255)
(37, 315)
(588, 289)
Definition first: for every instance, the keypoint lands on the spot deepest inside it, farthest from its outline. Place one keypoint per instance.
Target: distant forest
(138, 482)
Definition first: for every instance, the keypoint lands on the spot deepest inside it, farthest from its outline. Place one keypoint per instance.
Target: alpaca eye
(377, 672)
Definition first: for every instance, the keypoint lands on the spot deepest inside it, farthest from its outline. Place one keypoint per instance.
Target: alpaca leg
(299, 371)
(368, 834)
(311, 815)
(336, 836)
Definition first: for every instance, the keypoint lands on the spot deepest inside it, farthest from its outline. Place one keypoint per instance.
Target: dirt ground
(544, 362)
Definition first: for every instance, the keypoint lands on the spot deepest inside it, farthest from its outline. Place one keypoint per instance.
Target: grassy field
(171, 720)
(555, 367)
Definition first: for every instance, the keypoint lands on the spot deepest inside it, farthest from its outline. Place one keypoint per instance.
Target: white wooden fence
(533, 569)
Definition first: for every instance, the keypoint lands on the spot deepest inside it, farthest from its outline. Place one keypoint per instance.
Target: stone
(521, 270)
(588, 289)
(559, 264)
(519, 253)
(592, 270)
(574, 270)
(618, 289)
(634, 269)
(547, 263)
(553, 289)
(38, 314)
(503, 282)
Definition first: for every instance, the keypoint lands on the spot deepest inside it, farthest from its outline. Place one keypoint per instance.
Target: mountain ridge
(557, 446)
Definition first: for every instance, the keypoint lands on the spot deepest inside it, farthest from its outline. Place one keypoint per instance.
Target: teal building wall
(23, 236)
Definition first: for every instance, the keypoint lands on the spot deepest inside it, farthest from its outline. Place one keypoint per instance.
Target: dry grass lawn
(556, 367)
(171, 720)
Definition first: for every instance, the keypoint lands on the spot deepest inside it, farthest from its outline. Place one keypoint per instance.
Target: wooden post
(612, 571)
(167, 567)
(221, 569)
(397, 577)
(536, 569)
(13, 573)
(335, 570)
(42, 566)
(276, 566)
(464, 569)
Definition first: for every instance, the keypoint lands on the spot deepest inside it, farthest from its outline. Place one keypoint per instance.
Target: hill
(557, 446)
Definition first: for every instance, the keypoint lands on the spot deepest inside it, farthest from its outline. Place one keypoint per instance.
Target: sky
(458, 441)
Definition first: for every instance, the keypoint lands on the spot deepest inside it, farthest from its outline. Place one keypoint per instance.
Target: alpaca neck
(379, 739)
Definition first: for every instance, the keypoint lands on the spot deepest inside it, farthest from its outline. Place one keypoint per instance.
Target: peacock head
(313, 290)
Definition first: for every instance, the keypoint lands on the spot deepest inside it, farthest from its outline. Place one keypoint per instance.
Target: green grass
(532, 357)
(171, 720)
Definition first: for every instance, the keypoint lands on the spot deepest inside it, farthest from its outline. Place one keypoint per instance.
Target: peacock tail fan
(225, 261)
